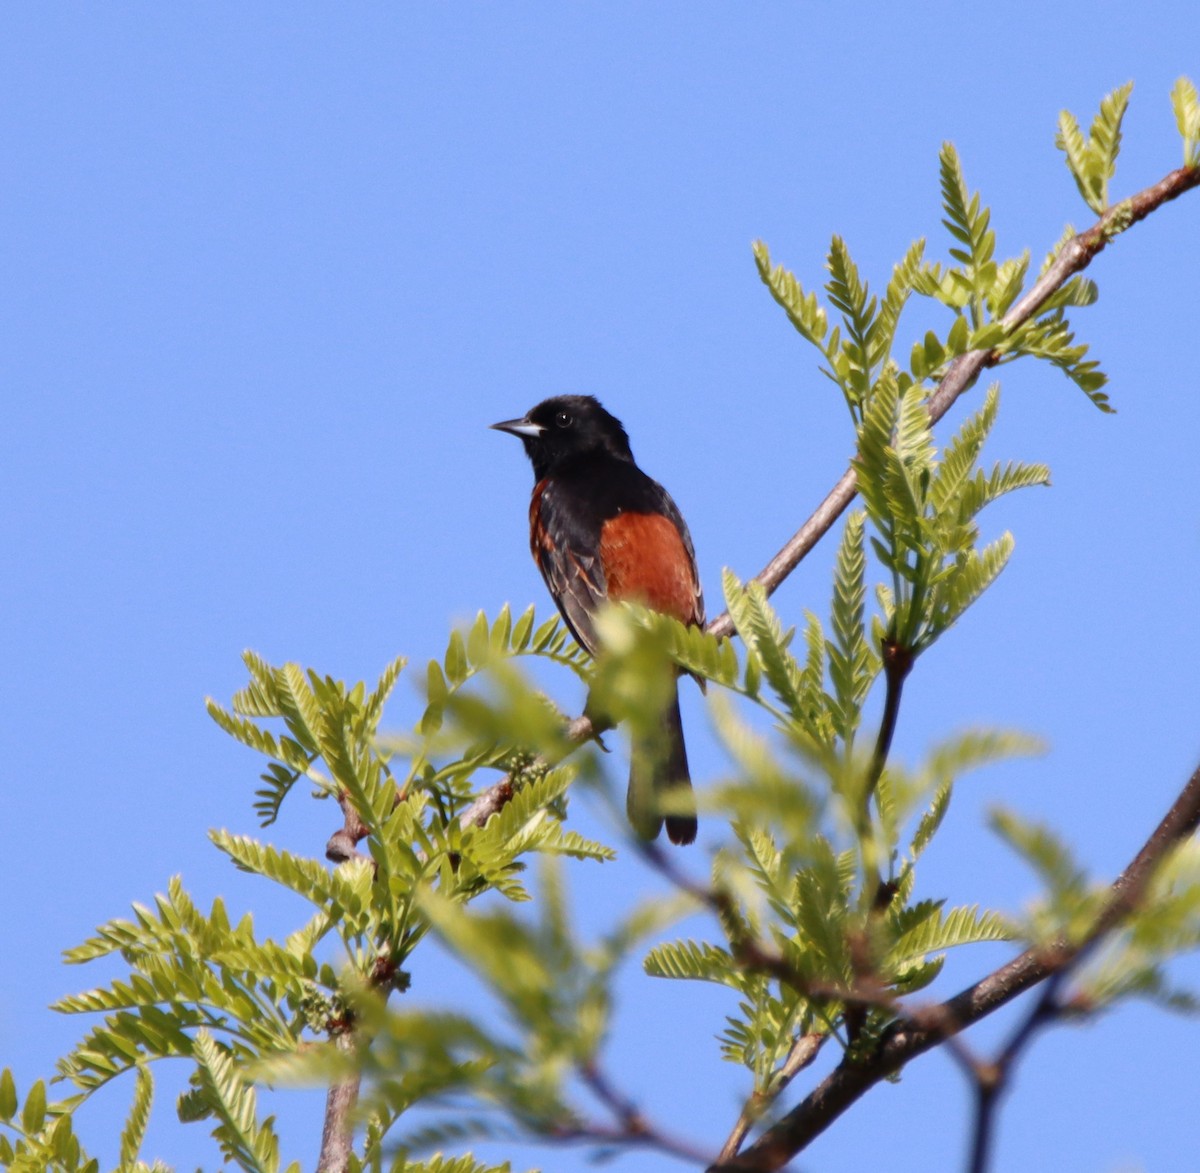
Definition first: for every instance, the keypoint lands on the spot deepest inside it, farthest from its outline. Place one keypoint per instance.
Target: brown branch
(487, 803)
(496, 796)
(804, 1050)
(337, 1136)
(991, 1079)
(608, 1137)
(342, 843)
(624, 1109)
(897, 664)
(852, 1079)
(342, 1097)
(632, 1130)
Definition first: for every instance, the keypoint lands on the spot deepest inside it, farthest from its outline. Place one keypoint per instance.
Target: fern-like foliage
(1093, 161)
(924, 512)
(551, 1015)
(1133, 962)
(803, 309)
(969, 224)
(39, 1134)
(858, 352)
(230, 1101)
(210, 993)
(827, 842)
(799, 877)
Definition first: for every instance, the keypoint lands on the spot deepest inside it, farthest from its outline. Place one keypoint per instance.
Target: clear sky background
(270, 270)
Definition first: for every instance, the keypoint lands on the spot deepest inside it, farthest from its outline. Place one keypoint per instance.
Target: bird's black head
(561, 430)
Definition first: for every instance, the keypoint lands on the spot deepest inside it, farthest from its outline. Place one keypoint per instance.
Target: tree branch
(337, 1135)
(991, 1079)
(634, 1128)
(897, 664)
(852, 1079)
(804, 1050)
(1075, 256)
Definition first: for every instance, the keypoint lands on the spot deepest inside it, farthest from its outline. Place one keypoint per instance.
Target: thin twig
(633, 1129)
(606, 1137)
(897, 664)
(623, 1108)
(991, 1079)
(804, 1050)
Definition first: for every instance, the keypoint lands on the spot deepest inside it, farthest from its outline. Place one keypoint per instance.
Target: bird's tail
(658, 769)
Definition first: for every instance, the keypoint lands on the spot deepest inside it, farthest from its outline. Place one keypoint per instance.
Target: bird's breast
(645, 561)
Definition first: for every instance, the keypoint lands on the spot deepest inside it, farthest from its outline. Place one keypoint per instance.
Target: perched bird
(599, 529)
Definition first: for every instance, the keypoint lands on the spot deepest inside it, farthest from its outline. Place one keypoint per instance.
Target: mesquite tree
(818, 928)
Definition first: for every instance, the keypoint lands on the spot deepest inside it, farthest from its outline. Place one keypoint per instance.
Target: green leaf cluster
(519, 1059)
(205, 990)
(1093, 161)
(979, 290)
(39, 1134)
(822, 920)
(800, 878)
(1186, 106)
(924, 513)
(1135, 960)
(859, 351)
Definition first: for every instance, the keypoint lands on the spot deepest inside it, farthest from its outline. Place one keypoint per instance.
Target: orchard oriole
(601, 529)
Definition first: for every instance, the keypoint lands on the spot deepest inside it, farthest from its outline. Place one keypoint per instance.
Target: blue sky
(270, 272)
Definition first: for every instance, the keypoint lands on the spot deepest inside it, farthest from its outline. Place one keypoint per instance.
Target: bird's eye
(563, 419)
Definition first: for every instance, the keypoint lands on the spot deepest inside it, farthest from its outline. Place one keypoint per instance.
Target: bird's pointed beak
(521, 427)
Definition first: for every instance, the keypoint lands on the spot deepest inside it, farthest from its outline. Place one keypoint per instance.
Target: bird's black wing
(565, 544)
